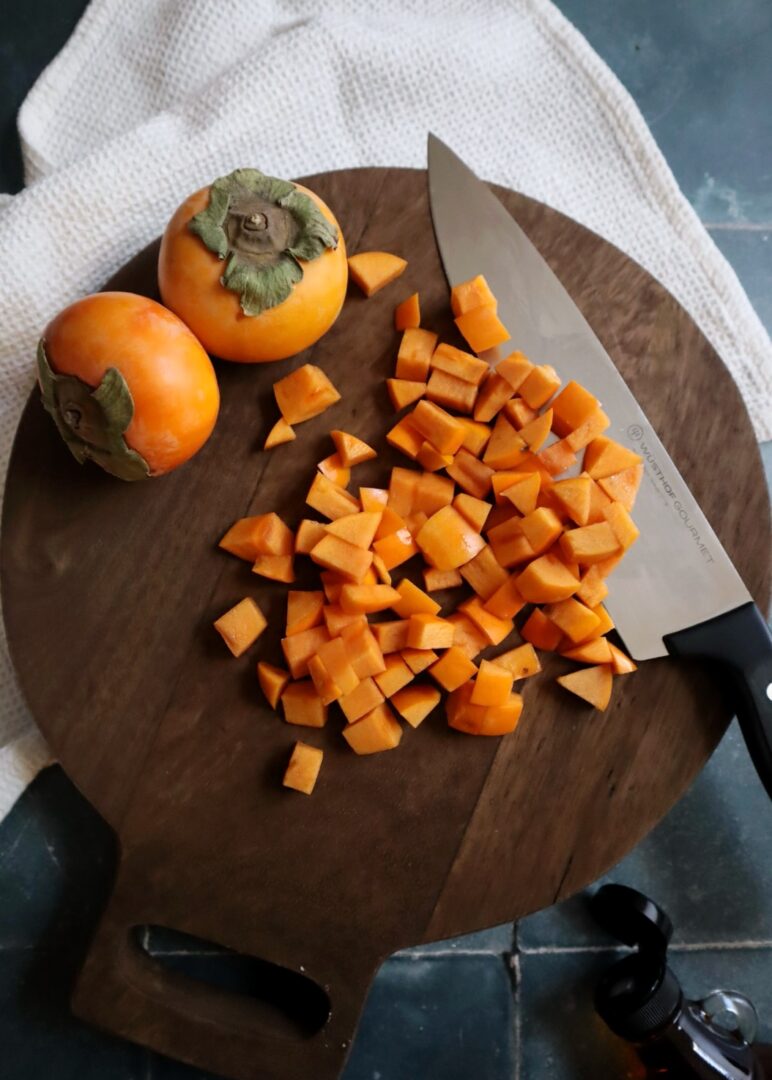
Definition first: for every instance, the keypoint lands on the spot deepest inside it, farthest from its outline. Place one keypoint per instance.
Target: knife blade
(677, 591)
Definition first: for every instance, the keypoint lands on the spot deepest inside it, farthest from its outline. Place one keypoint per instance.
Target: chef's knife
(677, 591)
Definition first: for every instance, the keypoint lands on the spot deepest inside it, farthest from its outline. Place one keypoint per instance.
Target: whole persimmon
(128, 384)
(255, 266)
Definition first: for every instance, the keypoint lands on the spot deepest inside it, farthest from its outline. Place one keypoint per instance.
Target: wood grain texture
(109, 594)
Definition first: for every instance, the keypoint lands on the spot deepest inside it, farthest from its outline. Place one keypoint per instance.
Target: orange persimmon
(407, 315)
(373, 270)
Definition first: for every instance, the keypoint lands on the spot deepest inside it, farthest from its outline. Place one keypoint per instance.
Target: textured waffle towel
(152, 99)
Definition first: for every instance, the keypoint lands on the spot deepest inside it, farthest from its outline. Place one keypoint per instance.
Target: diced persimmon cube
(606, 566)
(471, 475)
(494, 628)
(329, 499)
(364, 653)
(263, 534)
(440, 428)
(473, 510)
(480, 719)
(492, 685)
(415, 355)
(539, 386)
(373, 499)
(333, 654)
(272, 681)
(304, 393)
(625, 529)
(241, 626)
(407, 315)
(518, 413)
(432, 460)
(575, 619)
(501, 481)
(299, 648)
(403, 484)
(482, 328)
(593, 426)
(275, 567)
(596, 651)
(404, 392)
(524, 492)
(622, 487)
(515, 368)
(334, 553)
(336, 619)
(606, 623)
(471, 294)
(450, 391)
(396, 548)
(509, 544)
(432, 493)
(358, 529)
(324, 684)
(332, 584)
(546, 580)
(557, 458)
(447, 540)
(361, 700)
(476, 435)
(302, 705)
(303, 768)
(604, 457)
(434, 580)
(384, 577)
(541, 631)
(592, 588)
(281, 432)
(541, 528)
(466, 635)
(522, 661)
(418, 660)
(621, 664)
(453, 668)
(599, 500)
(377, 731)
(414, 703)
(506, 602)
(392, 635)
(506, 449)
(365, 599)
(304, 610)
(412, 600)
(429, 632)
(396, 675)
(592, 684)
(308, 535)
(492, 396)
(483, 573)
(590, 543)
(350, 449)
(459, 363)
(333, 468)
(405, 437)
(416, 521)
(574, 497)
(373, 270)
(572, 407)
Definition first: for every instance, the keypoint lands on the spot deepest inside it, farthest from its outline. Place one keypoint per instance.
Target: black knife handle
(741, 643)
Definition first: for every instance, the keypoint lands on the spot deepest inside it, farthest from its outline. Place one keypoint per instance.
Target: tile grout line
(740, 226)
(684, 946)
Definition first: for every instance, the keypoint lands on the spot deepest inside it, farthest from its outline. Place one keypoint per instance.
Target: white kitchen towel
(152, 99)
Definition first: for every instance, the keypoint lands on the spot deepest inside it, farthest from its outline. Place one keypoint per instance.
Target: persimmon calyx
(92, 421)
(265, 228)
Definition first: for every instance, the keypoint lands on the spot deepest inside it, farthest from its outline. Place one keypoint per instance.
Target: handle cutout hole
(285, 999)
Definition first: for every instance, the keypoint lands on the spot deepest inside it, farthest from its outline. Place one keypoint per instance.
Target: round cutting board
(110, 590)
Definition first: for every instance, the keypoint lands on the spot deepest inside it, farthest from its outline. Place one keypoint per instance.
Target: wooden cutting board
(110, 590)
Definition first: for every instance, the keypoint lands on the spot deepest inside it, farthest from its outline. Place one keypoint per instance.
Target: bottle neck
(687, 1049)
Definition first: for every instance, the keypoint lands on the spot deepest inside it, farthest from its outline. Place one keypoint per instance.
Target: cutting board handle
(125, 990)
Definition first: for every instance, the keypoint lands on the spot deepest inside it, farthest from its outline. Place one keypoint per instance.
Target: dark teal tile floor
(513, 1003)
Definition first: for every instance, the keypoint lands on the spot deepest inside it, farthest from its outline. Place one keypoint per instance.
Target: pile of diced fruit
(483, 504)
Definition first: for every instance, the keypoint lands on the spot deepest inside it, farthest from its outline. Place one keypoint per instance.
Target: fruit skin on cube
(272, 681)
(303, 768)
(414, 703)
(453, 668)
(480, 719)
(378, 730)
(592, 684)
(304, 393)
(302, 705)
(447, 540)
(241, 626)
(373, 270)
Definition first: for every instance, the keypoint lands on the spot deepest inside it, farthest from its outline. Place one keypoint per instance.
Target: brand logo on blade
(635, 433)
